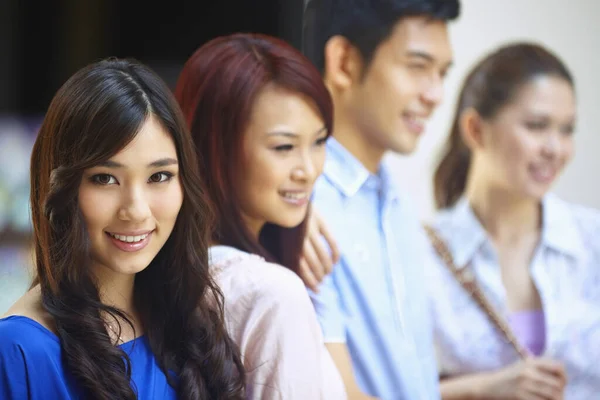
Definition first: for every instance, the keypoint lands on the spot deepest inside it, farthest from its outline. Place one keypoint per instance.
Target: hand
(532, 379)
(316, 261)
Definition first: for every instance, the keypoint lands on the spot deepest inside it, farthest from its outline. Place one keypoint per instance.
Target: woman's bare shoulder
(30, 305)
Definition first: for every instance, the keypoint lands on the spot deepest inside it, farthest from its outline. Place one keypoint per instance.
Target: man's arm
(319, 253)
(341, 357)
(333, 324)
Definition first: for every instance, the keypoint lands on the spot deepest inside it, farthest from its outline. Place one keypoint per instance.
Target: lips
(543, 173)
(414, 122)
(297, 198)
(294, 195)
(130, 241)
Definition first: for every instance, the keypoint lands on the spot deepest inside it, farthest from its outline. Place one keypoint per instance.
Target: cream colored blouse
(269, 315)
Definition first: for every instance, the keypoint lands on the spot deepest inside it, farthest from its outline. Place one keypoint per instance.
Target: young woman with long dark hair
(124, 305)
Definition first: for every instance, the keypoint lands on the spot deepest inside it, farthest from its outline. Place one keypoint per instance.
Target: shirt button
(361, 253)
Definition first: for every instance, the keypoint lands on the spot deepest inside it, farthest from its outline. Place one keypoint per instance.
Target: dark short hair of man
(364, 23)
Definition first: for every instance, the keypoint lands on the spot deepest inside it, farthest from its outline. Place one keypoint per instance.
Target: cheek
(513, 145)
(319, 161)
(403, 85)
(257, 181)
(262, 172)
(508, 157)
(568, 150)
(385, 91)
(167, 204)
(97, 207)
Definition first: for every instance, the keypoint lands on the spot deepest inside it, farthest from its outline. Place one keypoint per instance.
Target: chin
(536, 193)
(130, 268)
(539, 190)
(403, 148)
(289, 223)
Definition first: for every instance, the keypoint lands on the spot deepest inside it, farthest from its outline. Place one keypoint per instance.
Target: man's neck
(356, 142)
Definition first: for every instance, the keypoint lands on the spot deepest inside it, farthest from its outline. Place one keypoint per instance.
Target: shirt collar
(343, 169)
(467, 235)
(349, 175)
(559, 230)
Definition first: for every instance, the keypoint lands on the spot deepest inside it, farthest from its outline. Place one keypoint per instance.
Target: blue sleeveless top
(31, 366)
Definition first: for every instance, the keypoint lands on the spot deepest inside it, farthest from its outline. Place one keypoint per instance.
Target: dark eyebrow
(163, 162)
(318, 132)
(420, 54)
(424, 56)
(286, 134)
(110, 164)
(294, 135)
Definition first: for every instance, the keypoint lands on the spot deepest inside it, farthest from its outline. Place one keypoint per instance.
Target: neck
(116, 289)
(254, 226)
(356, 142)
(504, 215)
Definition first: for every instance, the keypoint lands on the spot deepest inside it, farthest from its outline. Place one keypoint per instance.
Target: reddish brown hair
(216, 91)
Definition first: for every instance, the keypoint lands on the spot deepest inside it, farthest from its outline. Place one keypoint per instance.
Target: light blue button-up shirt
(375, 299)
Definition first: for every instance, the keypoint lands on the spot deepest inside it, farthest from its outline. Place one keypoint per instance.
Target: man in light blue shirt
(384, 62)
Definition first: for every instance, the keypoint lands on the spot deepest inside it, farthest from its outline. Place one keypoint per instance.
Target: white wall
(571, 28)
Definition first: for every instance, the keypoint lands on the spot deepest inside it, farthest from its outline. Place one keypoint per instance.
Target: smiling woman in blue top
(124, 306)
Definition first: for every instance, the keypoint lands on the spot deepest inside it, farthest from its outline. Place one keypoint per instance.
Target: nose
(134, 206)
(552, 144)
(433, 93)
(306, 170)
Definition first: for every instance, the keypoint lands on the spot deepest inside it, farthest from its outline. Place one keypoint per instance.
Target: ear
(471, 129)
(343, 63)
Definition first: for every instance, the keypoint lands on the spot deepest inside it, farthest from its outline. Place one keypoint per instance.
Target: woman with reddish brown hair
(260, 115)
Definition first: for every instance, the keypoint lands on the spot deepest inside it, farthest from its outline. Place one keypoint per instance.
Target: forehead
(547, 95)
(152, 142)
(419, 34)
(277, 106)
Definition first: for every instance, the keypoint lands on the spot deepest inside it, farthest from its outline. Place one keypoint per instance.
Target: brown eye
(160, 177)
(418, 67)
(103, 179)
(536, 125)
(284, 147)
(321, 141)
(568, 130)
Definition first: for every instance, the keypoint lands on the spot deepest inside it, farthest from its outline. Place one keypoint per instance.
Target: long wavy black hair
(94, 115)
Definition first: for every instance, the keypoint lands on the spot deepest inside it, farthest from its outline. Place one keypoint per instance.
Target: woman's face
(283, 154)
(528, 143)
(130, 202)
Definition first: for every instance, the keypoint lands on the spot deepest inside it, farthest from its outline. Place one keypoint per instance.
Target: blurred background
(43, 42)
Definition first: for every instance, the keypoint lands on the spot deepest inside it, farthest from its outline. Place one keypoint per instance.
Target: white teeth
(418, 120)
(129, 239)
(545, 173)
(295, 196)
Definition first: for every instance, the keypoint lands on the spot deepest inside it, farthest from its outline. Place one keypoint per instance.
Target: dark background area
(42, 43)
